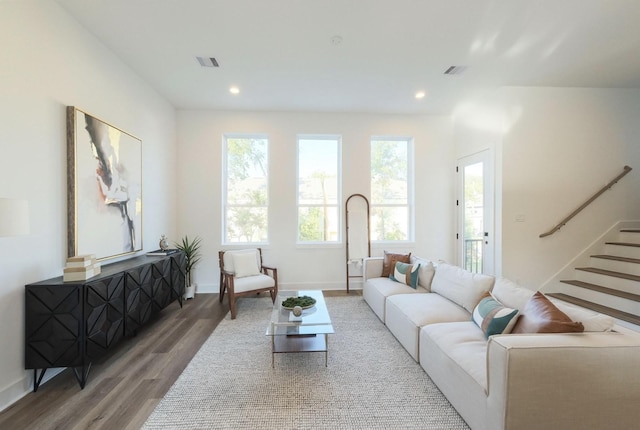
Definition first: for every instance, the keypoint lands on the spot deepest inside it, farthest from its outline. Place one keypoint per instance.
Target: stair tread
(624, 316)
(621, 275)
(605, 290)
(623, 244)
(617, 258)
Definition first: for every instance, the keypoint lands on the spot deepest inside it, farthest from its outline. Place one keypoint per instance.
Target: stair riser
(616, 266)
(625, 236)
(609, 281)
(615, 302)
(622, 251)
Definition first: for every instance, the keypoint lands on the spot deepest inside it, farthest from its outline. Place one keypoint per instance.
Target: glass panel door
(475, 208)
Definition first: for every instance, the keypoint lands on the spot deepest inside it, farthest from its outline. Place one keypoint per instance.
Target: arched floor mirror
(358, 235)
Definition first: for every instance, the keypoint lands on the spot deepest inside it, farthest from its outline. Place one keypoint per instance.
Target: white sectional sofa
(584, 380)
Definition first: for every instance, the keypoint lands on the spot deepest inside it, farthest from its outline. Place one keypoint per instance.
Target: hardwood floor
(124, 388)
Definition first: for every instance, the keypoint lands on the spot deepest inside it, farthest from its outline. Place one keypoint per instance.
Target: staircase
(611, 283)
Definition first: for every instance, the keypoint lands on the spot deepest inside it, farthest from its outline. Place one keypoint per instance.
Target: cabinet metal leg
(82, 377)
(37, 379)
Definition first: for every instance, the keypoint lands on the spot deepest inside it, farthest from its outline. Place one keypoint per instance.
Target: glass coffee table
(306, 333)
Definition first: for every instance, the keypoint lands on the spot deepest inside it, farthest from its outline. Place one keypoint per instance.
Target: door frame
(486, 157)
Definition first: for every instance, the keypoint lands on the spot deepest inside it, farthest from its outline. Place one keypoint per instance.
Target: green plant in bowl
(304, 302)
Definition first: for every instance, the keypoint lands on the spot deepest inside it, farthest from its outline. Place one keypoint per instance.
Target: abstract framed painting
(104, 188)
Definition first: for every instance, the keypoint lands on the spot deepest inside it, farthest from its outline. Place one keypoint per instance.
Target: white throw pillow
(592, 321)
(511, 294)
(461, 286)
(425, 273)
(245, 264)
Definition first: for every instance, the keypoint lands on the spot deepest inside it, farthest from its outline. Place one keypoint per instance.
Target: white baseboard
(327, 286)
(14, 392)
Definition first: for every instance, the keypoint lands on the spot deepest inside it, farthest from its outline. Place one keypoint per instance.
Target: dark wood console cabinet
(69, 324)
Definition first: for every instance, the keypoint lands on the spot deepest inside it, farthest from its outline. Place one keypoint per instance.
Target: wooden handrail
(561, 224)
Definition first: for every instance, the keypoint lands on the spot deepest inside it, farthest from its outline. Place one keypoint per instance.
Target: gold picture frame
(104, 188)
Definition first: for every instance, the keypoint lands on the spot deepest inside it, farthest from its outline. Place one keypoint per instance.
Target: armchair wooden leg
(232, 306)
(223, 287)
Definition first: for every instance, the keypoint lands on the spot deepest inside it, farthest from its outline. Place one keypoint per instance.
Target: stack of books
(81, 268)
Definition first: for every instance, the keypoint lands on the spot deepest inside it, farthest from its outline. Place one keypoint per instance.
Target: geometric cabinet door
(138, 298)
(53, 330)
(104, 314)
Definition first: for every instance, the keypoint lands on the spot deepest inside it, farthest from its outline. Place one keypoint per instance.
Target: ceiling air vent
(455, 70)
(208, 62)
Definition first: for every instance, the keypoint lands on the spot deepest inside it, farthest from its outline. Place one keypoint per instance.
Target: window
(318, 189)
(391, 189)
(245, 189)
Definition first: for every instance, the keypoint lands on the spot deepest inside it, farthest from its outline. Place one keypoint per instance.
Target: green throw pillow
(494, 318)
(406, 274)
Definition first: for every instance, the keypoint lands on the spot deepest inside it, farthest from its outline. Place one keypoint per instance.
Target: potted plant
(191, 249)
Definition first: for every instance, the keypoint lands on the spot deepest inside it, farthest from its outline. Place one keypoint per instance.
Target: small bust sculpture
(164, 243)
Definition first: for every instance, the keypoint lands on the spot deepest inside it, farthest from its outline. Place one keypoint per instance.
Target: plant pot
(190, 292)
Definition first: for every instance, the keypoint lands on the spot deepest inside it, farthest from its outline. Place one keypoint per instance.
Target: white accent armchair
(243, 274)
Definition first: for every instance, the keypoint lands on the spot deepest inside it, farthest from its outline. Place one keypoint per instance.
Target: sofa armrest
(372, 267)
(559, 381)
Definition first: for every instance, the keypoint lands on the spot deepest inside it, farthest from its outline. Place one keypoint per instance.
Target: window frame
(338, 204)
(410, 142)
(225, 182)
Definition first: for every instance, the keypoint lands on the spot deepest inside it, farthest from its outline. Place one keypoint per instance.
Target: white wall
(566, 144)
(557, 147)
(480, 126)
(200, 143)
(48, 61)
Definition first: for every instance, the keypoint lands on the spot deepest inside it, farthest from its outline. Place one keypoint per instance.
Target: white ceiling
(279, 52)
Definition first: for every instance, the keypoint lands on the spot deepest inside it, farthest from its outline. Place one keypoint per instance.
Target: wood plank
(624, 316)
(604, 290)
(611, 273)
(631, 244)
(617, 258)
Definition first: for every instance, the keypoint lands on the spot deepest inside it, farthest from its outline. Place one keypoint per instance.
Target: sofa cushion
(405, 314)
(405, 274)
(390, 261)
(245, 264)
(592, 321)
(541, 316)
(376, 290)
(494, 318)
(430, 308)
(463, 342)
(461, 286)
(511, 294)
(250, 283)
(426, 272)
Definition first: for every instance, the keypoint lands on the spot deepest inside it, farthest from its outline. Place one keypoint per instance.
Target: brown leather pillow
(541, 316)
(389, 262)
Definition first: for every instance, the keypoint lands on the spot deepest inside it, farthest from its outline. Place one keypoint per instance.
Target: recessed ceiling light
(420, 94)
(234, 90)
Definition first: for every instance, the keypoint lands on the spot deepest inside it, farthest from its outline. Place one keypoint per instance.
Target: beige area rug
(371, 381)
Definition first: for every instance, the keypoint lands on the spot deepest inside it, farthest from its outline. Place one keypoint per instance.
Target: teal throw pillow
(494, 318)
(406, 274)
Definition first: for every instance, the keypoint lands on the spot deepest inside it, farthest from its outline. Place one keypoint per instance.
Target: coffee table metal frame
(307, 333)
